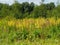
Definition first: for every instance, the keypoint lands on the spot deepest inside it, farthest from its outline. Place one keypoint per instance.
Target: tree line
(29, 10)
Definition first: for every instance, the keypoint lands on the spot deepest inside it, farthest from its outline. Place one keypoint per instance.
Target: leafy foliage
(26, 10)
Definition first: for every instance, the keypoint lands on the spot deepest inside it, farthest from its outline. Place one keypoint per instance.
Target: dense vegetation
(29, 24)
(30, 31)
(29, 10)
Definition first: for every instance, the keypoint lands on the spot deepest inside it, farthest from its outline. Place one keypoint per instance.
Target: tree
(56, 11)
(4, 10)
(25, 6)
(50, 6)
(25, 9)
(31, 7)
(40, 11)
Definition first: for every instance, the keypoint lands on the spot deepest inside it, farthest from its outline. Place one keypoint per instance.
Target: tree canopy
(25, 10)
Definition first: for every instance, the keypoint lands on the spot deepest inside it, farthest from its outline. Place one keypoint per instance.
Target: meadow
(30, 24)
(30, 31)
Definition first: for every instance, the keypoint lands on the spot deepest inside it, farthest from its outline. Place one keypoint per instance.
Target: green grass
(10, 35)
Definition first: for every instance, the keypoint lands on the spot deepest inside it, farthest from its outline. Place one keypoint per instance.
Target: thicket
(29, 10)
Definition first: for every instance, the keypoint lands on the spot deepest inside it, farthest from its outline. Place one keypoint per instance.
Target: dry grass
(38, 23)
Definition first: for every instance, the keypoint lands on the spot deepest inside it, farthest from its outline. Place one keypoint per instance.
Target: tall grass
(39, 31)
